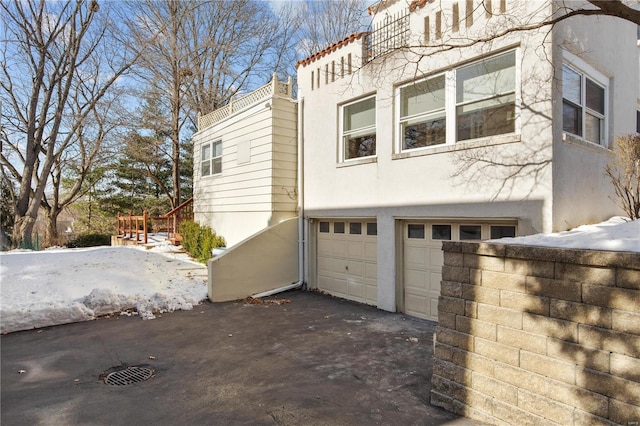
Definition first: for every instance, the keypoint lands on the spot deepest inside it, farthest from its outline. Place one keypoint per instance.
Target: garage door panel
(423, 260)
(347, 264)
(338, 248)
(434, 282)
(371, 251)
(436, 257)
(414, 257)
(415, 280)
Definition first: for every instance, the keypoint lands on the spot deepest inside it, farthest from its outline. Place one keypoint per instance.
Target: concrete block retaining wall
(536, 335)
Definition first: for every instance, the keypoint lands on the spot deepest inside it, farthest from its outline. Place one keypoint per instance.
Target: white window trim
(210, 160)
(342, 157)
(585, 70)
(450, 108)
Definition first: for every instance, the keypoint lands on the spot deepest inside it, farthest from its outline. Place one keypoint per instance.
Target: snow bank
(616, 234)
(39, 289)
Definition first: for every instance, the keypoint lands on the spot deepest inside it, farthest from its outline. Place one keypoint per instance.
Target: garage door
(423, 259)
(347, 259)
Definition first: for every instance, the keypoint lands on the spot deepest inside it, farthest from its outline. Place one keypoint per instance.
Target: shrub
(90, 240)
(624, 171)
(198, 240)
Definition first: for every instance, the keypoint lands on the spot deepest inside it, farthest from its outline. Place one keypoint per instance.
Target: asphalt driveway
(314, 361)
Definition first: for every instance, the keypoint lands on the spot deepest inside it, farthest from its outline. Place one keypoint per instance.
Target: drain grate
(128, 376)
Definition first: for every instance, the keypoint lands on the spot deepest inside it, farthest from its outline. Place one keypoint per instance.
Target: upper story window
(422, 113)
(485, 97)
(473, 101)
(211, 158)
(584, 103)
(359, 128)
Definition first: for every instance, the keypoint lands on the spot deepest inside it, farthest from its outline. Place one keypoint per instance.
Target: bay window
(359, 129)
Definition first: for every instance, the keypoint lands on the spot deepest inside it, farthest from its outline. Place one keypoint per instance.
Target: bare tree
(201, 54)
(624, 172)
(329, 21)
(59, 60)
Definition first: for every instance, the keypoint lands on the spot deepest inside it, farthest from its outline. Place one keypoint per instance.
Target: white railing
(274, 87)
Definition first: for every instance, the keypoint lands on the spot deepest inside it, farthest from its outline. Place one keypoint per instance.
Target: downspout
(301, 239)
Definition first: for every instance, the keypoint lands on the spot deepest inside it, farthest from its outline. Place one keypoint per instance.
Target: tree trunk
(22, 234)
(51, 236)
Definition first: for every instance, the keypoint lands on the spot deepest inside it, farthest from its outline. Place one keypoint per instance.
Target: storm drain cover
(128, 376)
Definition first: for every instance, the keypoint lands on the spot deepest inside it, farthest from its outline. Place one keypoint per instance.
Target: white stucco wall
(581, 191)
(536, 176)
(258, 189)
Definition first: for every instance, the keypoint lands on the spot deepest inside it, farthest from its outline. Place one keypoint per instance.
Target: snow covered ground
(40, 289)
(58, 286)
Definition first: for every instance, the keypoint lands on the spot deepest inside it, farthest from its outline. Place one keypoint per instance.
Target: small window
(499, 231)
(440, 232)
(338, 227)
(211, 158)
(415, 231)
(359, 129)
(583, 106)
(422, 115)
(324, 227)
(355, 228)
(372, 228)
(470, 232)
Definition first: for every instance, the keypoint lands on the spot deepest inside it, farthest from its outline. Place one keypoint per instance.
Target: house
(405, 142)
(407, 145)
(245, 163)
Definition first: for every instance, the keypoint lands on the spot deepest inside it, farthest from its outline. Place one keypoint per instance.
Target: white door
(347, 259)
(423, 259)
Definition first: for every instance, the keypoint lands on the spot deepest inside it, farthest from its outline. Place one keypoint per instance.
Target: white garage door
(347, 259)
(423, 259)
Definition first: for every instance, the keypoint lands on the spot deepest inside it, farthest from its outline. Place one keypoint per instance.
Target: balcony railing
(390, 34)
(274, 87)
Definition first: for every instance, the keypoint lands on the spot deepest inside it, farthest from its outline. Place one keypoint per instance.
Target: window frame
(424, 116)
(587, 74)
(211, 162)
(451, 104)
(344, 133)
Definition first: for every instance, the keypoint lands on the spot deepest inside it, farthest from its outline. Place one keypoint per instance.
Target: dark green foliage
(198, 240)
(90, 240)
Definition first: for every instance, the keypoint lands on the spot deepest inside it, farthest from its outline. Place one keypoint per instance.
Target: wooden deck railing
(175, 217)
(131, 225)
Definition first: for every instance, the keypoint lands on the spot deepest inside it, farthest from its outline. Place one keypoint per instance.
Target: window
(470, 232)
(372, 228)
(359, 129)
(324, 227)
(211, 158)
(415, 231)
(473, 101)
(355, 228)
(338, 227)
(441, 232)
(485, 97)
(422, 115)
(502, 231)
(583, 105)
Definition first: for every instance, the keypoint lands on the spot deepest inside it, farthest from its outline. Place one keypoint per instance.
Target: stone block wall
(536, 335)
